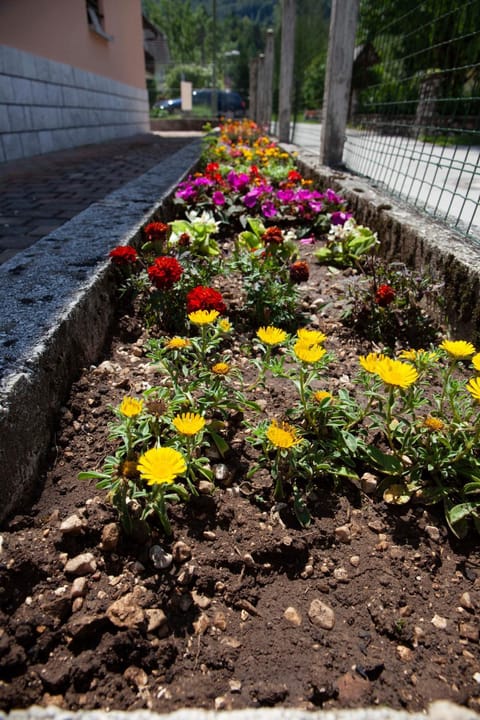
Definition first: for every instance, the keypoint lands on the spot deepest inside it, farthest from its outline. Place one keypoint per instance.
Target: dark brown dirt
(229, 623)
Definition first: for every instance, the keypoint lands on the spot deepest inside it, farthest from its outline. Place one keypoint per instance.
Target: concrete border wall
(58, 306)
(452, 261)
(47, 106)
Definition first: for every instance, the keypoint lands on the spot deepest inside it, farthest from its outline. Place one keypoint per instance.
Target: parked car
(229, 103)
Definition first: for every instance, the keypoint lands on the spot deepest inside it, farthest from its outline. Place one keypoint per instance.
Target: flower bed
(274, 506)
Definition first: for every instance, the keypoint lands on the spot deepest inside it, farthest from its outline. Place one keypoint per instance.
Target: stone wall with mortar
(47, 106)
(451, 260)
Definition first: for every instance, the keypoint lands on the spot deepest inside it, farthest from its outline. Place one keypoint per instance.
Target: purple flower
(218, 198)
(332, 198)
(268, 209)
(198, 182)
(316, 205)
(307, 240)
(339, 217)
(238, 180)
(285, 196)
(187, 192)
(252, 196)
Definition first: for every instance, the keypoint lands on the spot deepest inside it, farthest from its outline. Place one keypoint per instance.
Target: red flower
(205, 298)
(156, 231)
(165, 272)
(123, 255)
(384, 295)
(299, 272)
(273, 236)
(294, 176)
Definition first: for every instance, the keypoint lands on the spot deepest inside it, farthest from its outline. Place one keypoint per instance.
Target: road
(443, 181)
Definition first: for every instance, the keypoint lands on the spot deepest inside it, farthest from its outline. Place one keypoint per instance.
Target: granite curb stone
(439, 710)
(58, 304)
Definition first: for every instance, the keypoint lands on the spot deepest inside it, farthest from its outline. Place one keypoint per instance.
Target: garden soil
(242, 607)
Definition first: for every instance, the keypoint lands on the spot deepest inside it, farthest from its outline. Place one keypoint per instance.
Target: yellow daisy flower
(433, 423)
(225, 325)
(322, 395)
(221, 368)
(369, 362)
(130, 407)
(476, 362)
(161, 465)
(473, 387)
(177, 343)
(283, 436)
(189, 423)
(396, 373)
(203, 317)
(458, 349)
(271, 335)
(311, 337)
(308, 353)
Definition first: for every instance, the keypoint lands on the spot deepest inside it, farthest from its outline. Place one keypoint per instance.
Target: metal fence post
(338, 78)
(287, 53)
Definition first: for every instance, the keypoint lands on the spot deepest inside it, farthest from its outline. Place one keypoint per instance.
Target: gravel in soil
(369, 605)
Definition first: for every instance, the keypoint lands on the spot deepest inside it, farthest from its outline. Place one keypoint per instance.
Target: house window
(96, 19)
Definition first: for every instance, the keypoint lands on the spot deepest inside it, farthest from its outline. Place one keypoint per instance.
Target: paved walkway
(41, 193)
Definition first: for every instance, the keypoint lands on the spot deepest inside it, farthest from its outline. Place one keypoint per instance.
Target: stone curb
(440, 710)
(58, 303)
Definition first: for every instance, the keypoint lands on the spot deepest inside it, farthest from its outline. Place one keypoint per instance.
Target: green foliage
(198, 75)
(347, 245)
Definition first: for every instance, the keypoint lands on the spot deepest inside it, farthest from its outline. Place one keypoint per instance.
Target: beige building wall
(59, 30)
(66, 82)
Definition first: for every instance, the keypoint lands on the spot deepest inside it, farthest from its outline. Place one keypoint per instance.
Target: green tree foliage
(415, 40)
(311, 44)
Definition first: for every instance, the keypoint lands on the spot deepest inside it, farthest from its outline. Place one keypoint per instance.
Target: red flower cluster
(123, 255)
(384, 295)
(299, 272)
(205, 298)
(294, 176)
(273, 236)
(155, 231)
(165, 272)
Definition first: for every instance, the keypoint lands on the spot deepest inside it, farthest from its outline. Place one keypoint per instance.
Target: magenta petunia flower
(218, 198)
(339, 217)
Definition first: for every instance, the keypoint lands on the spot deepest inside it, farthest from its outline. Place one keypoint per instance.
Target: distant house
(72, 72)
(157, 53)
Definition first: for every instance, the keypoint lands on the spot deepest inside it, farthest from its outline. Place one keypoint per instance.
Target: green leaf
(456, 517)
(300, 508)
(389, 464)
(93, 476)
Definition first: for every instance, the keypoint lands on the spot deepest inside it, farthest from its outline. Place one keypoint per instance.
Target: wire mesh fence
(415, 106)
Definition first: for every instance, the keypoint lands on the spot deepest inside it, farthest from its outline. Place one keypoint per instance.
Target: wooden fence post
(287, 56)
(338, 78)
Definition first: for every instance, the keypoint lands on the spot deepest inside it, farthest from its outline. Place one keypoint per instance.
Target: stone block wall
(47, 106)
